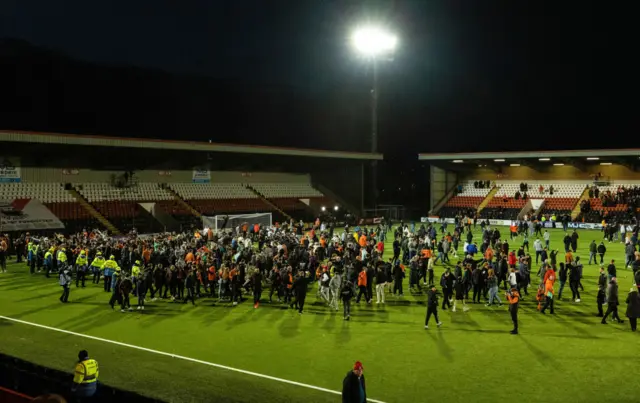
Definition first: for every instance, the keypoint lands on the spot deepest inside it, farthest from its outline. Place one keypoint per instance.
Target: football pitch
(217, 352)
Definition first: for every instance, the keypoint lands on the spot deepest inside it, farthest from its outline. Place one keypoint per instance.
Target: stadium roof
(11, 136)
(533, 155)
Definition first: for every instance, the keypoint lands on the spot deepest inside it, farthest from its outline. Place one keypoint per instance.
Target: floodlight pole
(374, 132)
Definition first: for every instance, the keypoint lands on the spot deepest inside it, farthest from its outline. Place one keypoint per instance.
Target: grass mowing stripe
(242, 371)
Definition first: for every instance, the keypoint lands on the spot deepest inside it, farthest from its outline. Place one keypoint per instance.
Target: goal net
(231, 222)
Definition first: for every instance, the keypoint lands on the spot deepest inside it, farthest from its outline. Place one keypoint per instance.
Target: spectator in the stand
(551, 189)
(541, 189)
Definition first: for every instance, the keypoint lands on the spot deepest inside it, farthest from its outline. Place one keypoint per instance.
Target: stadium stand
(615, 202)
(121, 205)
(468, 197)
(220, 198)
(286, 196)
(55, 198)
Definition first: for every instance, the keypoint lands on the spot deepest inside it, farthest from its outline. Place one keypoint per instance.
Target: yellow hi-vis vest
(86, 371)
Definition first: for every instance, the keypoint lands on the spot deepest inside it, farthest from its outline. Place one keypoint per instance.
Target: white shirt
(512, 278)
(546, 236)
(537, 245)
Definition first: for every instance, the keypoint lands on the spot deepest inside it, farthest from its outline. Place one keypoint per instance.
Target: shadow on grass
(541, 355)
(439, 339)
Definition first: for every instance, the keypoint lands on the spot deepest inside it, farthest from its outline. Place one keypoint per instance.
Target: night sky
(468, 74)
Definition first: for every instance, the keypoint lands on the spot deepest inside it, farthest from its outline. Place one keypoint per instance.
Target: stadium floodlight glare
(335, 208)
(605, 163)
(373, 41)
(323, 208)
(458, 161)
(514, 165)
(544, 159)
(593, 158)
(558, 164)
(499, 160)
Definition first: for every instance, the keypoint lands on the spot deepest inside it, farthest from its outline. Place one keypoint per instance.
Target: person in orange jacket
(514, 300)
(548, 291)
(362, 285)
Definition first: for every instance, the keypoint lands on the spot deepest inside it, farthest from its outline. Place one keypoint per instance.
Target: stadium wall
(441, 182)
(566, 172)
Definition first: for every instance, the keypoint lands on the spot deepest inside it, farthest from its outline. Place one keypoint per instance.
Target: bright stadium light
(376, 45)
(373, 41)
(458, 161)
(323, 208)
(558, 164)
(499, 160)
(514, 165)
(544, 159)
(335, 208)
(605, 163)
(593, 158)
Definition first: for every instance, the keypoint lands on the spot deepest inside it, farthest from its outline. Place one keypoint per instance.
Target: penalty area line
(211, 364)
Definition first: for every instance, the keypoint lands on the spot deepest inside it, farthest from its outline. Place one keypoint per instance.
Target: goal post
(230, 222)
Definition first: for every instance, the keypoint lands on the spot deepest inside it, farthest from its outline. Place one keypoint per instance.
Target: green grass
(472, 357)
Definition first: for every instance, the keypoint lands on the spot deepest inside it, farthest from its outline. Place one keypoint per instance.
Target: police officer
(96, 267)
(48, 261)
(81, 268)
(61, 258)
(135, 273)
(115, 286)
(109, 267)
(85, 378)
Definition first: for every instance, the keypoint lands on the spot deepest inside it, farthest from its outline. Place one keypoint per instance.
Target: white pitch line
(211, 364)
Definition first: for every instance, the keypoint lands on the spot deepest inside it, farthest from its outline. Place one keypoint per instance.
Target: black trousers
(300, 301)
(257, 294)
(634, 324)
(80, 275)
(363, 291)
(96, 276)
(574, 289)
(431, 310)
(613, 310)
(107, 283)
(190, 295)
(125, 302)
(514, 317)
(3, 261)
(65, 293)
(477, 292)
(142, 292)
(275, 288)
(397, 286)
(446, 296)
(548, 304)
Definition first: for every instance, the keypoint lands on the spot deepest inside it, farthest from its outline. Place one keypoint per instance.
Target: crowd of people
(240, 263)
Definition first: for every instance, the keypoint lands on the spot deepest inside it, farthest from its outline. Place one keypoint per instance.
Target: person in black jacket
(612, 306)
(602, 286)
(601, 251)
(633, 308)
(353, 386)
(346, 293)
(300, 287)
(432, 307)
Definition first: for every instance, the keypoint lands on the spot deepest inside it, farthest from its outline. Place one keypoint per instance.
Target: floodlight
(323, 208)
(373, 41)
(335, 208)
